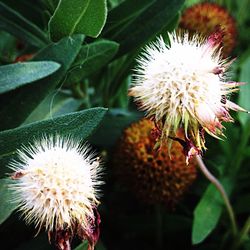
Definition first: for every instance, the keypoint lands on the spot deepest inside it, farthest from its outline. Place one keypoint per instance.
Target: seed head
(184, 85)
(152, 175)
(207, 18)
(56, 181)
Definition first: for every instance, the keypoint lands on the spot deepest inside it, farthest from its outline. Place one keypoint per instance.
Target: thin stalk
(243, 234)
(221, 189)
(86, 91)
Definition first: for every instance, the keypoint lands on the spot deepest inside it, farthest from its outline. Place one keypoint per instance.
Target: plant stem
(245, 230)
(86, 91)
(220, 188)
(243, 234)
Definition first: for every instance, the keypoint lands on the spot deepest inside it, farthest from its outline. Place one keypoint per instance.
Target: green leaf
(6, 207)
(189, 3)
(123, 14)
(244, 91)
(54, 105)
(22, 101)
(246, 244)
(16, 75)
(98, 53)
(80, 124)
(7, 43)
(113, 124)
(78, 17)
(14, 23)
(132, 24)
(208, 211)
(82, 246)
(29, 10)
(50, 5)
(100, 246)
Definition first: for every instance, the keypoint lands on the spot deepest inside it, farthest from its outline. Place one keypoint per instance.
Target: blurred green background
(62, 63)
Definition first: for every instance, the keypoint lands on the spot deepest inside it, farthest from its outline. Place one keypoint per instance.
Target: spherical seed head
(56, 181)
(152, 175)
(184, 85)
(207, 18)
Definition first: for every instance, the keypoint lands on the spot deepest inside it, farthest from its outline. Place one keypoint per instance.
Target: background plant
(75, 60)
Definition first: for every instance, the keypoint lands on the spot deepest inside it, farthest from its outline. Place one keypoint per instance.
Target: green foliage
(16, 75)
(78, 17)
(63, 52)
(96, 54)
(208, 211)
(83, 56)
(79, 124)
(6, 44)
(84, 246)
(132, 24)
(113, 124)
(55, 104)
(245, 91)
(7, 207)
(19, 26)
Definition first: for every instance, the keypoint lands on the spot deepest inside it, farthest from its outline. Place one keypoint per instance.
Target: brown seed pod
(152, 175)
(207, 18)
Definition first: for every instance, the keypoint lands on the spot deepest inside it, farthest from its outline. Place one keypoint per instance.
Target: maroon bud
(215, 39)
(17, 175)
(93, 233)
(61, 239)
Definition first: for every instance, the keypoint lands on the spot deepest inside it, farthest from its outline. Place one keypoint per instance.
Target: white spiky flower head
(184, 84)
(56, 187)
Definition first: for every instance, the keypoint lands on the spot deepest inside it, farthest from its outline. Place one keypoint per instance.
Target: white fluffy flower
(56, 181)
(183, 84)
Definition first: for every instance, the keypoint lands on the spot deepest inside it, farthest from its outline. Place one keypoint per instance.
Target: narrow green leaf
(78, 124)
(16, 75)
(98, 53)
(208, 211)
(123, 14)
(6, 207)
(78, 17)
(144, 22)
(14, 23)
(23, 100)
(244, 91)
(32, 12)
